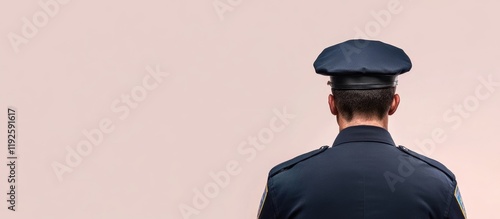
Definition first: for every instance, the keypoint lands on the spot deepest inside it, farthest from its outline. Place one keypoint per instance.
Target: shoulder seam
(290, 163)
(428, 161)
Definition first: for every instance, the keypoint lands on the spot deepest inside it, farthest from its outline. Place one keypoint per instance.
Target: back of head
(369, 104)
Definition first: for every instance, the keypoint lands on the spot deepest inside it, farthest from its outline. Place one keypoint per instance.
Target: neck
(383, 123)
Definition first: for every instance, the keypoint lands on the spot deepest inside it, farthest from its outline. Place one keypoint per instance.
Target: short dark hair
(370, 103)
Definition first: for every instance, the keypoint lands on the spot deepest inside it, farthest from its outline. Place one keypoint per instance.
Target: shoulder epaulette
(290, 163)
(429, 161)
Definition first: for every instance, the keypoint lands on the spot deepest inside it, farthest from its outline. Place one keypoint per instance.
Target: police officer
(363, 174)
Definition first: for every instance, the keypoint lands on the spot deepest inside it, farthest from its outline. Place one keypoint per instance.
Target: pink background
(228, 74)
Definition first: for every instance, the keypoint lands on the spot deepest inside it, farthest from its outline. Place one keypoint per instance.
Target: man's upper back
(363, 175)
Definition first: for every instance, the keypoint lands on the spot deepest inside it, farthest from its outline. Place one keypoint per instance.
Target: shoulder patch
(432, 162)
(262, 202)
(290, 163)
(460, 202)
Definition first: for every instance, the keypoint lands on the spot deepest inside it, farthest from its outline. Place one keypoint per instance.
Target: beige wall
(173, 92)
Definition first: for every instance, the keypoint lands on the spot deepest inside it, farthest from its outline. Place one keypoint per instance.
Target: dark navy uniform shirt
(363, 175)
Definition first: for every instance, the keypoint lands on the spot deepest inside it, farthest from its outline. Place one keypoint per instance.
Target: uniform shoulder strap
(431, 162)
(290, 163)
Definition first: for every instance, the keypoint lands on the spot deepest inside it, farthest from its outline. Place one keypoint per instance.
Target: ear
(331, 103)
(394, 104)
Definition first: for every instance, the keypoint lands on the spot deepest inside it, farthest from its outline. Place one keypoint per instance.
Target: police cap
(362, 64)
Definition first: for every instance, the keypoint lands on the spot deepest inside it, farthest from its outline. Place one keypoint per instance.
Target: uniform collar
(363, 133)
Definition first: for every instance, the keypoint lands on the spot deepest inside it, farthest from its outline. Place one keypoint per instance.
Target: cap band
(362, 82)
